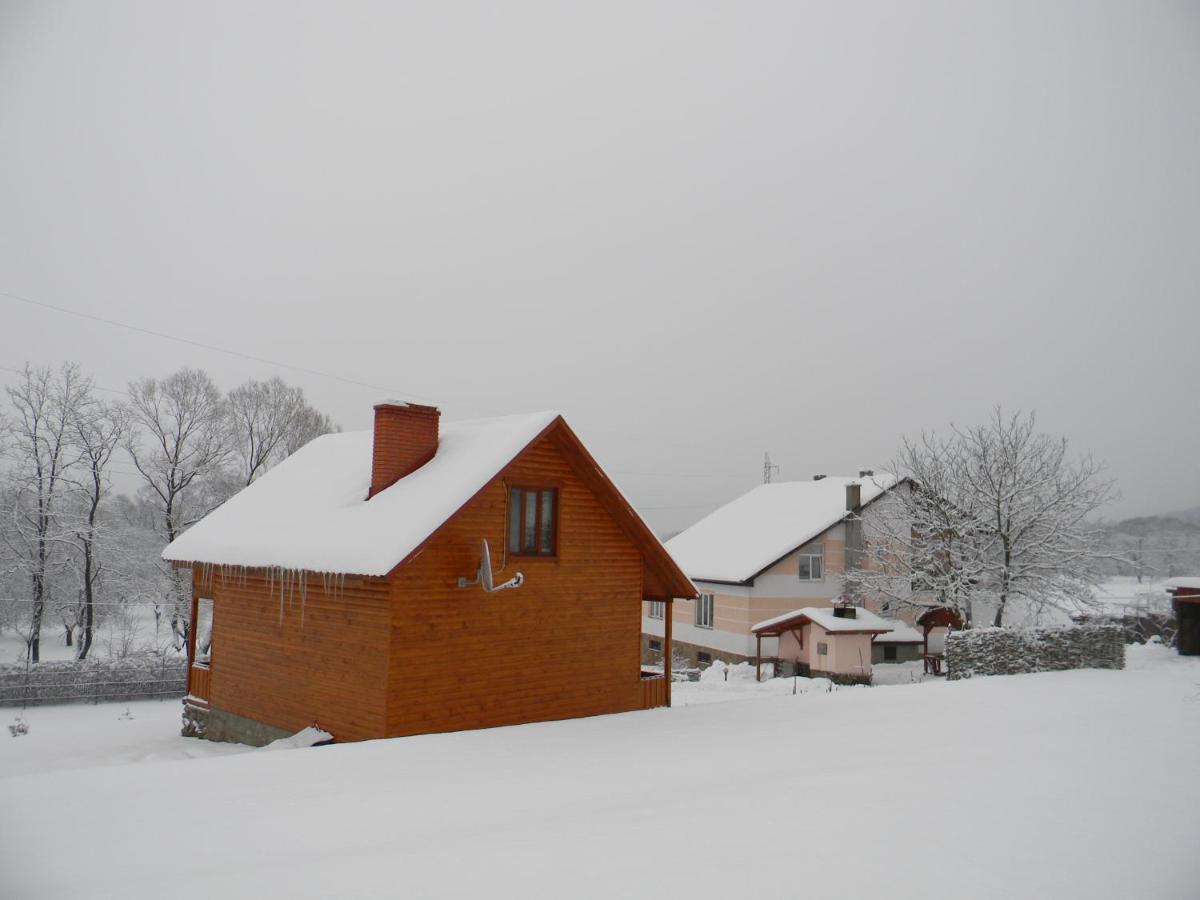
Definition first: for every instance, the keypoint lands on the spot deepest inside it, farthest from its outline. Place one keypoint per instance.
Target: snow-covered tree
(99, 429)
(40, 453)
(179, 440)
(268, 421)
(999, 514)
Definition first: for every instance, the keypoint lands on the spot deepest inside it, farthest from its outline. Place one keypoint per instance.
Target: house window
(703, 659)
(704, 611)
(889, 654)
(203, 626)
(822, 649)
(812, 562)
(656, 646)
(532, 521)
(657, 609)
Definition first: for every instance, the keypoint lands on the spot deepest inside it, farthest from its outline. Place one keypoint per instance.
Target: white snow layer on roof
(1186, 583)
(864, 620)
(743, 537)
(310, 512)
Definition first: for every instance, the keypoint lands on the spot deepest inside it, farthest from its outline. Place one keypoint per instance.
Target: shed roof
(1183, 584)
(311, 512)
(742, 538)
(864, 622)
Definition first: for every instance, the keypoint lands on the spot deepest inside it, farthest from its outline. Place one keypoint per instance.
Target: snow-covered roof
(310, 512)
(864, 620)
(739, 540)
(1188, 583)
(901, 633)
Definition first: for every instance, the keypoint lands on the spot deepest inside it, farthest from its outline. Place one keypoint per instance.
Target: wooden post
(668, 651)
(758, 657)
(191, 653)
(191, 648)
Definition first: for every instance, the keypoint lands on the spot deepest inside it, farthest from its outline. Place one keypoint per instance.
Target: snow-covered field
(132, 630)
(1068, 784)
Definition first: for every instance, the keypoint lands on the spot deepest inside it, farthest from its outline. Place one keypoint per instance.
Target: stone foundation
(1014, 651)
(219, 725)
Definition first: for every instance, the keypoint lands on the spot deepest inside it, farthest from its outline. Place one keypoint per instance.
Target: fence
(141, 677)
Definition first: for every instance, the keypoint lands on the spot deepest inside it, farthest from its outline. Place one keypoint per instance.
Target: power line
(116, 323)
(238, 354)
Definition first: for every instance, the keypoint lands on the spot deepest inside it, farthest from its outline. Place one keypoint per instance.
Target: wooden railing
(199, 682)
(654, 692)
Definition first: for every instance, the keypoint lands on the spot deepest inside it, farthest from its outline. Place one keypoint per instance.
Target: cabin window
(889, 654)
(203, 626)
(812, 563)
(704, 659)
(704, 611)
(657, 609)
(532, 521)
(822, 649)
(656, 646)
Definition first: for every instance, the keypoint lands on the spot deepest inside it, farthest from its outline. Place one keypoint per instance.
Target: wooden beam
(758, 657)
(668, 650)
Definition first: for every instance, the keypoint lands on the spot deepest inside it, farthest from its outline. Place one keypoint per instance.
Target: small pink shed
(821, 641)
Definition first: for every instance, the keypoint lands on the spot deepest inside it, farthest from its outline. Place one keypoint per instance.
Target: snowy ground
(1067, 784)
(135, 629)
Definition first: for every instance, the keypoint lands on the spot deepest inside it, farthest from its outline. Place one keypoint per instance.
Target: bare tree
(997, 513)
(308, 423)
(179, 440)
(99, 429)
(268, 421)
(40, 453)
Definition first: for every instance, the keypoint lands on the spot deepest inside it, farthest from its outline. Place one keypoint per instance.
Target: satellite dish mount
(483, 577)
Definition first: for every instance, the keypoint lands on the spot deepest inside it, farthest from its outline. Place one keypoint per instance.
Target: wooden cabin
(346, 587)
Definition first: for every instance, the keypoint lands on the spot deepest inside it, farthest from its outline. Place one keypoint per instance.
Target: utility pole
(768, 468)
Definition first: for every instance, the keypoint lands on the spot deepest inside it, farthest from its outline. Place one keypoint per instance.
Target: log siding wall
(294, 662)
(565, 644)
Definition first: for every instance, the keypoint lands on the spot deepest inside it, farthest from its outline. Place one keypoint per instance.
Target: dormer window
(532, 521)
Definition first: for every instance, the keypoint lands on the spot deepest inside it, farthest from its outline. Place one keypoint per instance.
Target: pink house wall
(849, 654)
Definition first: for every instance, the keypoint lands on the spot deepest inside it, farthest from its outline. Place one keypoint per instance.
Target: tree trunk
(67, 629)
(35, 624)
(87, 620)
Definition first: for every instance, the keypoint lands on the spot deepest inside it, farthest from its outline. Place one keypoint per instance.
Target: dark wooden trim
(668, 648)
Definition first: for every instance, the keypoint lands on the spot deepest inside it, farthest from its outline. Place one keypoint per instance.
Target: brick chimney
(853, 497)
(406, 437)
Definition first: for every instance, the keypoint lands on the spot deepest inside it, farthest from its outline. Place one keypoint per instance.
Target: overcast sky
(702, 231)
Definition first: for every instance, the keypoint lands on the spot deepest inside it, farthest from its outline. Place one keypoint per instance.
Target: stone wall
(219, 725)
(140, 677)
(1012, 651)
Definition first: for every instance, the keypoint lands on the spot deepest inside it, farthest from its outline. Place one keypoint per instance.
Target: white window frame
(705, 611)
(204, 605)
(811, 552)
(658, 609)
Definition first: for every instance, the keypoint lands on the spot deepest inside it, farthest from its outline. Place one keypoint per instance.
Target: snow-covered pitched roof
(310, 512)
(864, 620)
(739, 540)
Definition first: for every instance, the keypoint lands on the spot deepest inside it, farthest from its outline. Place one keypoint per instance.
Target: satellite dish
(484, 576)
